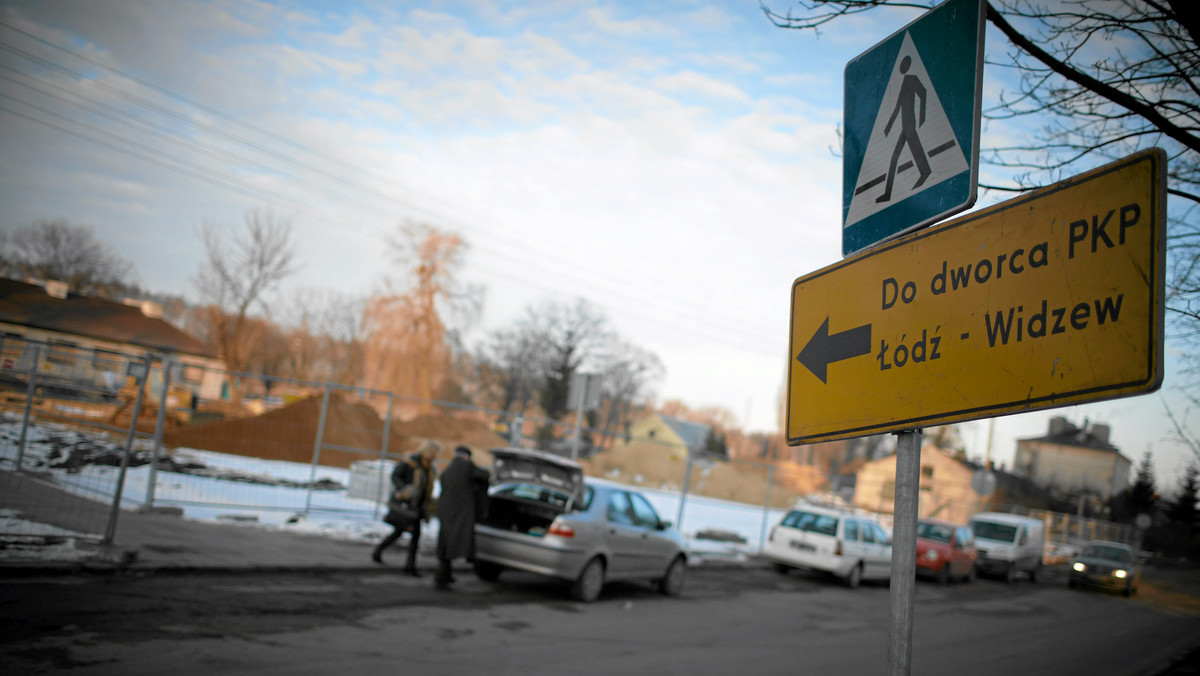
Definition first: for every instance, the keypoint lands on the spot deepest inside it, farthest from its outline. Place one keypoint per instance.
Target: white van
(852, 547)
(1007, 544)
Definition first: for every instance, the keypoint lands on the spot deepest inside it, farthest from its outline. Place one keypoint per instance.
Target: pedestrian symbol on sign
(911, 131)
(910, 90)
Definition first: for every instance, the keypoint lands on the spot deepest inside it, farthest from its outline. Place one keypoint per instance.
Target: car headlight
(932, 555)
(1120, 573)
(1078, 567)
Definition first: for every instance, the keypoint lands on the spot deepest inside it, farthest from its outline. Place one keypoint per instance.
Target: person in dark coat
(464, 488)
(411, 502)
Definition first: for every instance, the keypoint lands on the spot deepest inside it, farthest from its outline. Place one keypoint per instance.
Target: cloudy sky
(674, 162)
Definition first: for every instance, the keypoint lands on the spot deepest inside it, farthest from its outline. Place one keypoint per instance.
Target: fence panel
(55, 434)
(291, 449)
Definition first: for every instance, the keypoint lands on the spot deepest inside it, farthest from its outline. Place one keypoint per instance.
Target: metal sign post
(904, 552)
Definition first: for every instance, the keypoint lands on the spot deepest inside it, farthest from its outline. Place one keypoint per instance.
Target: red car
(945, 551)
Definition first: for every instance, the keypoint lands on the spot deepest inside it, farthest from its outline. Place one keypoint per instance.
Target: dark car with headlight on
(1106, 565)
(542, 517)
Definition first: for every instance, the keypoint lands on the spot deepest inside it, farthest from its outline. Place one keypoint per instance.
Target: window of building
(103, 360)
(193, 375)
(11, 348)
(62, 353)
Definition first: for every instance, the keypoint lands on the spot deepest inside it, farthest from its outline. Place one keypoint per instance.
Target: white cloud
(693, 83)
(602, 19)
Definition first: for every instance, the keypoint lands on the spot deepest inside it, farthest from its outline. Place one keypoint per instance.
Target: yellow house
(680, 437)
(945, 486)
(1073, 460)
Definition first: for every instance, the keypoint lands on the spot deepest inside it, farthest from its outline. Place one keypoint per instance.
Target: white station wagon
(850, 546)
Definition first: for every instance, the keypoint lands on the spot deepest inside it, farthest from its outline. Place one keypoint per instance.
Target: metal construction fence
(85, 433)
(113, 430)
(1062, 528)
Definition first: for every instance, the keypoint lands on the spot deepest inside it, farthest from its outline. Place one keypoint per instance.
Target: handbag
(401, 513)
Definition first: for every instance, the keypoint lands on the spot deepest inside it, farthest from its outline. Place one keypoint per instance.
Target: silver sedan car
(542, 517)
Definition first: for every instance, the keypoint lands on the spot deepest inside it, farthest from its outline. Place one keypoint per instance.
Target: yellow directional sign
(1049, 299)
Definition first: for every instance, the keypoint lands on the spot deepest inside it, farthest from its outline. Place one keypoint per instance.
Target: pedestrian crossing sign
(911, 126)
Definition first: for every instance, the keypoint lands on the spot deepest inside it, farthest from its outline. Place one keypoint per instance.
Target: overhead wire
(491, 234)
(487, 233)
(640, 297)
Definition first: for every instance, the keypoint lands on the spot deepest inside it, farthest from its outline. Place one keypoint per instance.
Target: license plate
(802, 546)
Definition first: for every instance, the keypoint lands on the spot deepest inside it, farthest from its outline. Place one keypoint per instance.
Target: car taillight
(561, 529)
(837, 550)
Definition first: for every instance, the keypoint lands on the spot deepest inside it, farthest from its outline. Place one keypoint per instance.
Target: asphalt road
(732, 621)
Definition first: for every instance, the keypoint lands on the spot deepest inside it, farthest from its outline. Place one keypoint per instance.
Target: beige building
(1073, 460)
(945, 486)
(84, 343)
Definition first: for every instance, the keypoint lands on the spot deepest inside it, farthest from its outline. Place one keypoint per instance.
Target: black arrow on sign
(824, 349)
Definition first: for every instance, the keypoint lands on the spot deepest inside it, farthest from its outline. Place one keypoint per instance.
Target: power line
(490, 234)
(669, 310)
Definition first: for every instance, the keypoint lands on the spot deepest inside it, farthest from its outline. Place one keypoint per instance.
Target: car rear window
(934, 531)
(532, 492)
(852, 530)
(810, 522)
(994, 531)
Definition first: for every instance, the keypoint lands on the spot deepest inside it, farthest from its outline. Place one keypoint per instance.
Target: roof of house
(97, 318)
(693, 434)
(1074, 436)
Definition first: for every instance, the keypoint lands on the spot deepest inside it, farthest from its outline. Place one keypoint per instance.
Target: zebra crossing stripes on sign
(912, 126)
(912, 146)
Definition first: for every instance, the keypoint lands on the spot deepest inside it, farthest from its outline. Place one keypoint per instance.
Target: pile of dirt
(289, 433)
(451, 430)
(653, 466)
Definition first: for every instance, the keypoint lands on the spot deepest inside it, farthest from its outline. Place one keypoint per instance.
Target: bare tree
(408, 345)
(324, 335)
(1182, 432)
(1097, 80)
(57, 250)
(510, 367)
(240, 268)
(946, 437)
(570, 334)
(627, 377)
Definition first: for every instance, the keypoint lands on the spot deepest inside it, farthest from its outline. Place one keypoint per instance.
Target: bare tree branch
(239, 269)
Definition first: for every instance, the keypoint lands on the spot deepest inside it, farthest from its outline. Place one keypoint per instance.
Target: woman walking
(411, 502)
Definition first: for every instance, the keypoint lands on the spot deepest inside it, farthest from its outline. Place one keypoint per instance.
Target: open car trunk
(529, 489)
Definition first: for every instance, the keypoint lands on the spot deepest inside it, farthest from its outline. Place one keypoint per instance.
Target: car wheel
(1010, 575)
(1126, 591)
(1033, 574)
(671, 584)
(1072, 583)
(782, 568)
(487, 571)
(854, 577)
(970, 576)
(587, 587)
(943, 575)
